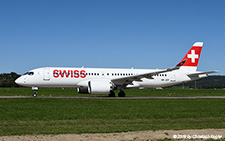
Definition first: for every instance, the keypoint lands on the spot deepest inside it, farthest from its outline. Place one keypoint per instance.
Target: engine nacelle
(82, 90)
(99, 87)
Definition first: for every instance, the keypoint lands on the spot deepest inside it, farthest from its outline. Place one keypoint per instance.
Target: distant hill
(211, 82)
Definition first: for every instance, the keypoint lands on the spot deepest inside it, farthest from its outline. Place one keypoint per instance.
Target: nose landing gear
(35, 91)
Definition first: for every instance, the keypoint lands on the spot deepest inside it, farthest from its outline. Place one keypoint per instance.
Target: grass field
(63, 116)
(129, 92)
(57, 116)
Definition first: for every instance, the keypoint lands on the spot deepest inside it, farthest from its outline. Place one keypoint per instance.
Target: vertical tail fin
(191, 59)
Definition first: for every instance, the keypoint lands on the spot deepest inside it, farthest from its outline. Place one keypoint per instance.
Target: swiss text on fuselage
(69, 73)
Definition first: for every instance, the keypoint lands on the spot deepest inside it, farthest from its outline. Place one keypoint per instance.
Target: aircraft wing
(123, 81)
(197, 74)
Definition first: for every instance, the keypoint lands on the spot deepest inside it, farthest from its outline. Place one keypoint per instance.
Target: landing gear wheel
(121, 94)
(35, 94)
(111, 94)
(35, 91)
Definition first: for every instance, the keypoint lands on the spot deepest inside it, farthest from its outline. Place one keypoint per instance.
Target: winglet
(177, 66)
(181, 63)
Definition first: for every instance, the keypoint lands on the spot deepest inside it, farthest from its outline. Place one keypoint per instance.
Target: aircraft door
(46, 74)
(173, 79)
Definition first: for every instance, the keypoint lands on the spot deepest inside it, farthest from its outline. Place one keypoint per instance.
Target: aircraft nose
(19, 81)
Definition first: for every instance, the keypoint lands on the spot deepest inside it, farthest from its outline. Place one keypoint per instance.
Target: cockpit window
(29, 73)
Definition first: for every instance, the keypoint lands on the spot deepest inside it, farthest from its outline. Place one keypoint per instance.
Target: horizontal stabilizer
(201, 73)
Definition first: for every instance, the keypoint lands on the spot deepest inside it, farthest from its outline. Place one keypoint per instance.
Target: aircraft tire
(35, 94)
(121, 94)
(111, 94)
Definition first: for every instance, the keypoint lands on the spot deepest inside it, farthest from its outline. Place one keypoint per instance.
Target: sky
(143, 34)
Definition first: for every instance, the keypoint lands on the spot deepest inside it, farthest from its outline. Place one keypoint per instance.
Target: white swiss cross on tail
(192, 57)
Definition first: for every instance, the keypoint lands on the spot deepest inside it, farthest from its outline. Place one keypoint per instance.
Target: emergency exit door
(46, 74)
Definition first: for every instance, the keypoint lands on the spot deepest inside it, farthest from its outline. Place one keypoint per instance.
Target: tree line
(8, 79)
(211, 82)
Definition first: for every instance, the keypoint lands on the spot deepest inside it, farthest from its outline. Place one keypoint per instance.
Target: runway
(128, 97)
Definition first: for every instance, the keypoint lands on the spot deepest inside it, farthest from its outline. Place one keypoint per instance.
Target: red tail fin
(193, 55)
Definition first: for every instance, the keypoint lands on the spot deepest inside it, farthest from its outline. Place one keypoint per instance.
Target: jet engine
(95, 87)
(99, 87)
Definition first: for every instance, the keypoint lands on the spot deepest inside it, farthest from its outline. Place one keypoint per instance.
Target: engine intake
(82, 90)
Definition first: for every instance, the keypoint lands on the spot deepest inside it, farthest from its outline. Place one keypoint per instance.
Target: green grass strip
(63, 116)
(129, 92)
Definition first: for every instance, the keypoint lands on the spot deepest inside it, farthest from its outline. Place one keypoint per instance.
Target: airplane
(105, 80)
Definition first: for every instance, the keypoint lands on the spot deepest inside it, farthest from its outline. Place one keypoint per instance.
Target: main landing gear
(35, 91)
(120, 94)
(111, 93)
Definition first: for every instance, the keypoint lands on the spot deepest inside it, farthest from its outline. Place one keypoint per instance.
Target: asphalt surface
(128, 97)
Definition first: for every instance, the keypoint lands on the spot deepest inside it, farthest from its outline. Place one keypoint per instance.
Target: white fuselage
(73, 77)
